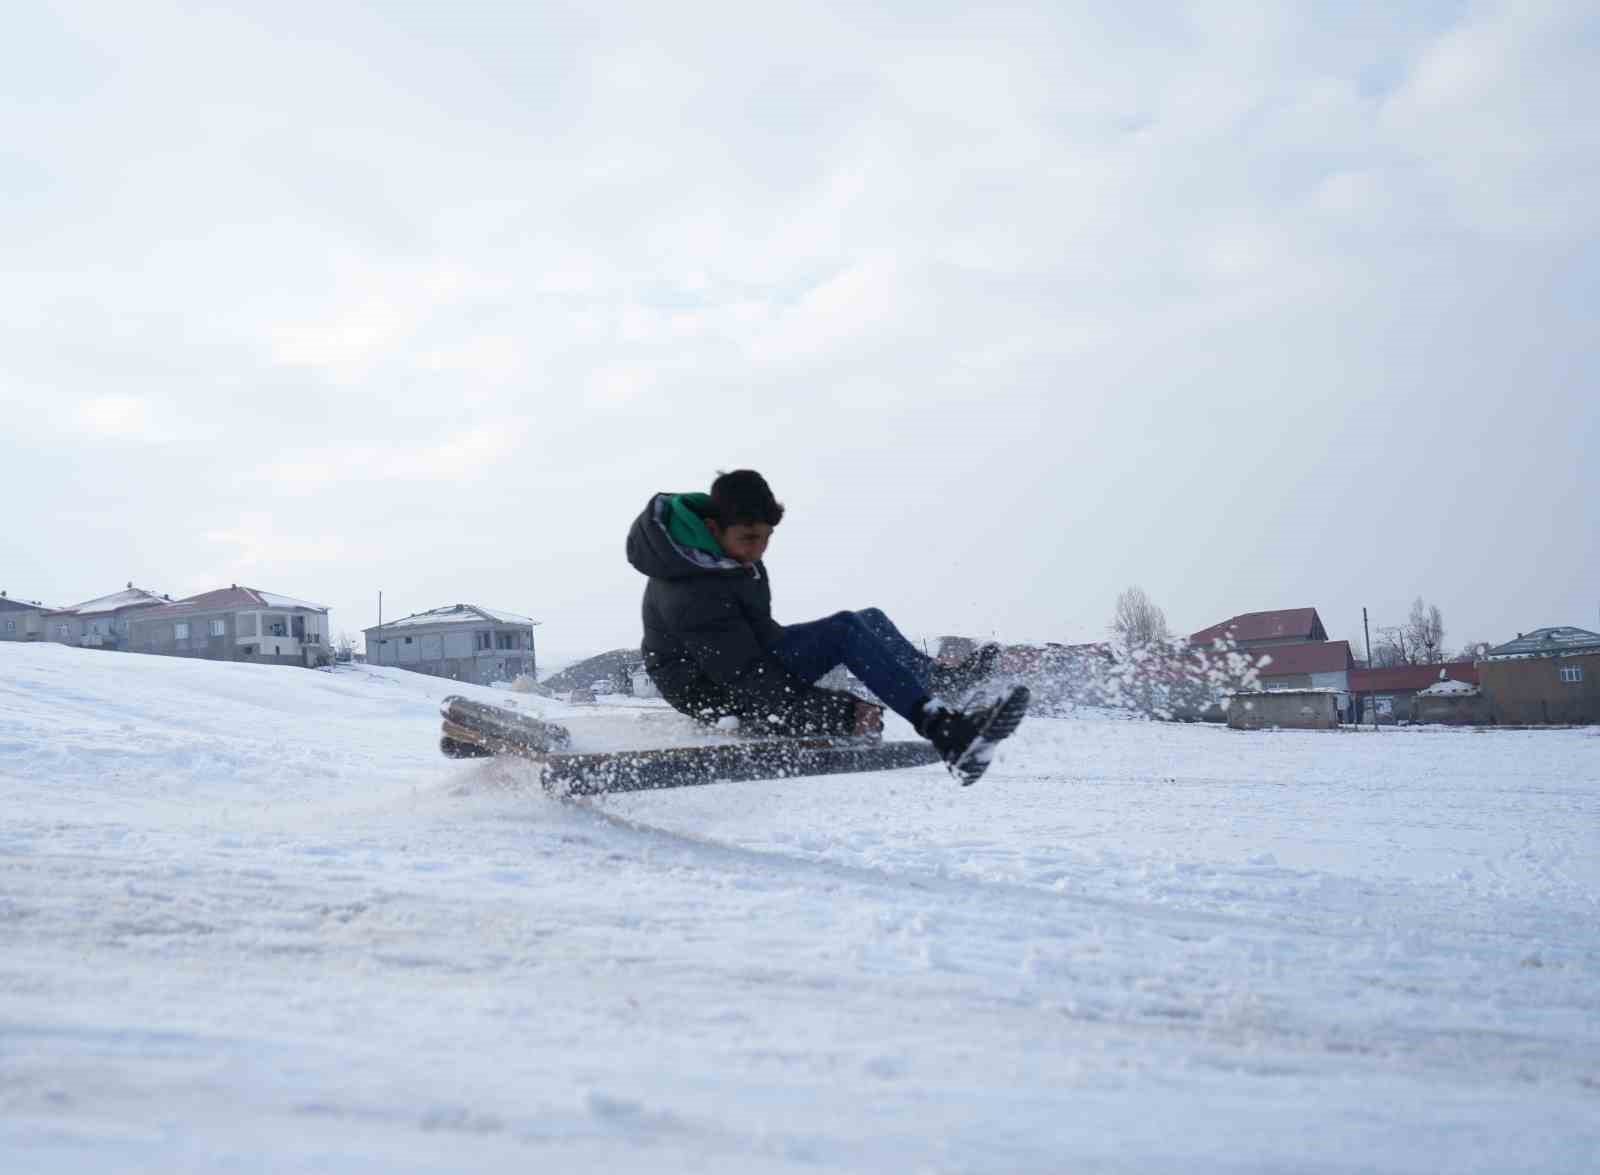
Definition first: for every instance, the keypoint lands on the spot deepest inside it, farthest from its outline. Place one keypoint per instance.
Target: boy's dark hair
(744, 496)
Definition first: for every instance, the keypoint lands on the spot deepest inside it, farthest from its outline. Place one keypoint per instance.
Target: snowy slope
(252, 921)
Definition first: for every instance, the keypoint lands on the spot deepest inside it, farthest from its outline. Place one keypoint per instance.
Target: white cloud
(262, 543)
(1054, 258)
(1499, 112)
(120, 418)
(466, 455)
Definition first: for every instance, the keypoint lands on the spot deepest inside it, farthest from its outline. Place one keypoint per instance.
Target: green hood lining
(687, 525)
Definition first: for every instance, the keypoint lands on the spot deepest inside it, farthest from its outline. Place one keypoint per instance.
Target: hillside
(254, 922)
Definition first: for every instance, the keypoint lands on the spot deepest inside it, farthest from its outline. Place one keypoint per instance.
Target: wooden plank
(627, 771)
(473, 730)
(454, 748)
(504, 725)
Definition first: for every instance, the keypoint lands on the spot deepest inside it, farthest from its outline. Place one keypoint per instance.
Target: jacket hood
(670, 540)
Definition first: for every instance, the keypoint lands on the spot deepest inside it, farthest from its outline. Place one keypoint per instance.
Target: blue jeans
(870, 646)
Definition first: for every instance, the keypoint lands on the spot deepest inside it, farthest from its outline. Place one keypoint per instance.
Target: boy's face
(743, 541)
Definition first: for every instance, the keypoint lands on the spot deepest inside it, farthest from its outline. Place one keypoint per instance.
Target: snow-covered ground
(251, 921)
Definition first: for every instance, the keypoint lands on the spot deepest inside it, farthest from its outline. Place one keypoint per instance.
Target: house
(1323, 665)
(1390, 690)
(22, 620)
(1295, 649)
(234, 624)
(1547, 675)
(1286, 626)
(465, 642)
(101, 623)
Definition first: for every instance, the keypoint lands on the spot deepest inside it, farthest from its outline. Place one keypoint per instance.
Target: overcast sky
(1254, 306)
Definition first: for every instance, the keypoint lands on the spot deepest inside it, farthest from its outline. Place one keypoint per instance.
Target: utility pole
(1371, 698)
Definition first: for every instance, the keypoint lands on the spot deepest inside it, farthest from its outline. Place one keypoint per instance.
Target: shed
(1309, 709)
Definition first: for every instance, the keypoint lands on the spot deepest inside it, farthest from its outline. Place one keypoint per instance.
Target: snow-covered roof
(457, 614)
(273, 600)
(232, 598)
(1448, 687)
(7, 604)
(127, 598)
(1548, 642)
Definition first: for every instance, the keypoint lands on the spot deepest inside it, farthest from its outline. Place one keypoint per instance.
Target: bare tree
(1472, 650)
(1138, 621)
(1425, 633)
(1393, 647)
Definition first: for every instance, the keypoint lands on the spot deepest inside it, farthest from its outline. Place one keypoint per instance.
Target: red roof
(1316, 657)
(1411, 676)
(1286, 624)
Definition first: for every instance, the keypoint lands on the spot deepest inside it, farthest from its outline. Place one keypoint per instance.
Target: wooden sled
(474, 730)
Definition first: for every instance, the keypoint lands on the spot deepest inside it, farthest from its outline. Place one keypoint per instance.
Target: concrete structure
(464, 642)
(1391, 691)
(235, 624)
(102, 623)
(1285, 710)
(1452, 703)
(22, 620)
(1548, 675)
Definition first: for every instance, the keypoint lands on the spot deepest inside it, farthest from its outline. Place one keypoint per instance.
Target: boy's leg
(915, 661)
(809, 650)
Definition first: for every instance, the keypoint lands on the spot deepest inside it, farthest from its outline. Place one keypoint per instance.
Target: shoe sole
(1001, 724)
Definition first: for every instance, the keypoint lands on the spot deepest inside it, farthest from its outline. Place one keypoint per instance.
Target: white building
(464, 642)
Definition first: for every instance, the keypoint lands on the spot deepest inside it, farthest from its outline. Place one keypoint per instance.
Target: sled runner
(474, 729)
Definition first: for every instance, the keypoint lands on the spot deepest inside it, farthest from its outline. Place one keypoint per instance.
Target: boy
(713, 649)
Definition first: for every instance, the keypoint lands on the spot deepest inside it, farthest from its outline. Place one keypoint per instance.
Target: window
(11, 626)
(484, 640)
(180, 631)
(1573, 673)
(219, 628)
(505, 640)
(61, 631)
(408, 640)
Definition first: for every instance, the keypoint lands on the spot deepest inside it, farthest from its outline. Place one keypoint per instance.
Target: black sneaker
(966, 739)
(954, 681)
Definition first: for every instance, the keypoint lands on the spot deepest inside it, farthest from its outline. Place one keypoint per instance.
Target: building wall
(451, 651)
(22, 624)
(241, 632)
(1291, 681)
(62, 628)
(1305, 710)
(1451, 709)
(1400, 705)
(1530, 691)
